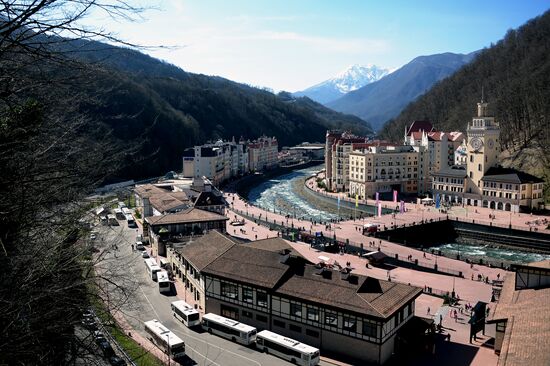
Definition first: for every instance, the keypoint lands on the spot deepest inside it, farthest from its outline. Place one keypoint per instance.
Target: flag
(379, 209)
(356, 200)
(394, 196)
(402, 206)
(377, 198)
(338, 201)
(437, 201)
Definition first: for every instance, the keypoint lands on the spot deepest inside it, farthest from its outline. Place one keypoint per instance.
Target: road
(141, 301)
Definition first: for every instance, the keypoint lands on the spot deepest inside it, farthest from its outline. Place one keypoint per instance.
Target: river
(284, 194)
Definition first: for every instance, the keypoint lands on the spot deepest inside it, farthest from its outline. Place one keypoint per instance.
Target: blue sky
(290, 45)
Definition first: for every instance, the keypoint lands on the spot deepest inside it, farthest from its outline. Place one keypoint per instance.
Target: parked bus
(229, 328)
(119, 215)
(164, 281)
(131, 221)
(121, 205)
(152, 268)
(111, 220)
(287, 348)
(164, 339)
(126, 211)
(185, 313)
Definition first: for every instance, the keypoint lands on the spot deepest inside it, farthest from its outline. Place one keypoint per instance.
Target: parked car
(106, 348)
(139, 245)
(117, 361)
(145, 254)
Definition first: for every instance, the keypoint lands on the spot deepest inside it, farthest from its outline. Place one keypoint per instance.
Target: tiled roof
(273, 245)
(508, 175)
(298, 279)
(249, 265)
(417, 126)
(205, 249)
(189, 215)
(167, 201)
(454, 171)
(455, 135)
(147, 190)
(527, 336)
(435, 135)
(366, 295)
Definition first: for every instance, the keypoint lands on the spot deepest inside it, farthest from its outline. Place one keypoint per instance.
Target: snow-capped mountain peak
(352, 78)
(357, 76)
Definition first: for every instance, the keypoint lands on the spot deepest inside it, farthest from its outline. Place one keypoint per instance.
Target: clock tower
(483, 147)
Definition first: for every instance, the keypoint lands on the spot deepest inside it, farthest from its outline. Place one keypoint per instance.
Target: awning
(323, 258)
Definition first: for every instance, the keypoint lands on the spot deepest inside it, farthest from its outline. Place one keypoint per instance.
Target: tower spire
(482, 94)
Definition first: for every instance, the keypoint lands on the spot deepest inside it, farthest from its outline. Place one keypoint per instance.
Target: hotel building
(482, 182)
(263, 153)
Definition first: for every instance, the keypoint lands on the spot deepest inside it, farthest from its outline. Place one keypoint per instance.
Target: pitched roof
(147, 190)
(455, 135)
(296, 278)
(455, 171)
(273, 245)
(167, 201)
(435, 135)
(209, 199)
(527, 336)
(509, 175)
(189, 215)
(417, 126)
(205, 249)
(365, 295)
(249, 265)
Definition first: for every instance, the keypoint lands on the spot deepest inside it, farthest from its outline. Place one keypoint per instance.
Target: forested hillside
(515, 75)
(167, 109)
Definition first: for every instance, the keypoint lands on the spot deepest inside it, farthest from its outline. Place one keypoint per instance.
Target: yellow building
(483, 182)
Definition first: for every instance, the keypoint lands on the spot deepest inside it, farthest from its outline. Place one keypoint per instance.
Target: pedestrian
(498, 276)
(428, 311)
(132, 247)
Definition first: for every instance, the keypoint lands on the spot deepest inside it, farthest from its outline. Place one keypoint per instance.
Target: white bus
(164, 281)
(164, 263)
(152, 268)
(121, 205)
(119, 215)
(131, 221)
(287, 348)
(185, 313)
(229, 328)
(111, 220)
(126, 210)
(164, 339)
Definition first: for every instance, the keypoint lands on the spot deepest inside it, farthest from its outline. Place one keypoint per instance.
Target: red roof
(418, 126)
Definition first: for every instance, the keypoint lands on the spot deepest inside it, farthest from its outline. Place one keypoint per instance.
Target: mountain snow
(354, 77)
(357, 76)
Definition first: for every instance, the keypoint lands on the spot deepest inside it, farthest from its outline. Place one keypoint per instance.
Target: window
(331, 319)
(247, 314)
(229, 290)
(261, 299)
(261, 318)
(279, 323)
(296, 309)
(247, 295)
(350, 324)
(230, 312)
(312, 333)
(312, 314)
(295, 328)
(471, 158)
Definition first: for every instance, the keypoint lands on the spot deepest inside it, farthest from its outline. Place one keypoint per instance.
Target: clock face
(490, 143)
(476, 143)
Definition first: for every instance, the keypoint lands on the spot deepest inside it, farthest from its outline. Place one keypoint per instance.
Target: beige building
(384, 169)
(263, 153)
(482, 182)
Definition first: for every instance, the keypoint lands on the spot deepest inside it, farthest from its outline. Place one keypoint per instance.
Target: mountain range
(382, 100)
(353, 78)
(164, 109)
